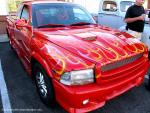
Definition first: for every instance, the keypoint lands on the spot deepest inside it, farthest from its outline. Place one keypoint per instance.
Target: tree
(12, 5)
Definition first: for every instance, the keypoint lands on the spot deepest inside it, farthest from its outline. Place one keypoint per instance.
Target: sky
(91, 5)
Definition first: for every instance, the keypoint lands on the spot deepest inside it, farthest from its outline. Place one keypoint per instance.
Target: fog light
(85, 101)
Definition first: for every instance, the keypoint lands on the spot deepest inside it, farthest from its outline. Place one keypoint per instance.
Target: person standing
(135, 19)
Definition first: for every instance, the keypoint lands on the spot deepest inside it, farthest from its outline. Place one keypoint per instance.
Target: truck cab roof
(41, 1)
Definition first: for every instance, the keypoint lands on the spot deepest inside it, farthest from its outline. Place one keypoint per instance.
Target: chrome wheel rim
(41, 84)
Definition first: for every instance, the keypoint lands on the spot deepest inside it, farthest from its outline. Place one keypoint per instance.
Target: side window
(25, 13)
(78, 13)
(109, 6)
(18, 14)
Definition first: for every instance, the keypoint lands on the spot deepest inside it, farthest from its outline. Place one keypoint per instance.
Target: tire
(9, 39)
(7, 33)
(44, 85)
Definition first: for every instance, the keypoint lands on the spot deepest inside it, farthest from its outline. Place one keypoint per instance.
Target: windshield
(59, 14)
(124, 5)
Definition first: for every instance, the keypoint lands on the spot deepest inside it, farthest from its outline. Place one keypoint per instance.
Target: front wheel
(44, 85)
(7, 32)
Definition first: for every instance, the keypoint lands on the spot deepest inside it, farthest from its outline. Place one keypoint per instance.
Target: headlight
(78, 77)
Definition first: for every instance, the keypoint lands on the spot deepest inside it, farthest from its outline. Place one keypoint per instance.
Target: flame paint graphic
(104, 50)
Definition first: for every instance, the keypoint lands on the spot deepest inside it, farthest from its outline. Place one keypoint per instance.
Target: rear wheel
(10, 42)
(44, 85)
(7, 32)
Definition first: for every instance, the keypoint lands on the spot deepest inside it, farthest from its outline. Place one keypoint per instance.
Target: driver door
(23, 36)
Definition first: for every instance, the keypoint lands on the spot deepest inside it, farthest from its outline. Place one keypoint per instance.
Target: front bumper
(71, 98)
(109, 85)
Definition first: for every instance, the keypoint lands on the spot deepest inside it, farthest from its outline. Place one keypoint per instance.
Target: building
(3, 14)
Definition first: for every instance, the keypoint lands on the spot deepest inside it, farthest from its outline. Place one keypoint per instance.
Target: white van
(112, 12)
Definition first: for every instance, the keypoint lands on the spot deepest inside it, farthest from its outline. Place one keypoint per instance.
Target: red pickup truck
(73, 60)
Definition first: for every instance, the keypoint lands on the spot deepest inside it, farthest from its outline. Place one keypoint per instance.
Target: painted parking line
(4, 93)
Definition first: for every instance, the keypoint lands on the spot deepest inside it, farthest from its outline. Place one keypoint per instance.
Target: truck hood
(97, 44)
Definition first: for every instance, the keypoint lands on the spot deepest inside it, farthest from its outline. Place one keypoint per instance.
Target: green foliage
(13, 4)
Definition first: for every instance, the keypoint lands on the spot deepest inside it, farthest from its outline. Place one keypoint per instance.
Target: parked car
(74, 61)
(112, 12)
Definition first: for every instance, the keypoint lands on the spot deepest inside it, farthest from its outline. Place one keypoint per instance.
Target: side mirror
(20, 23)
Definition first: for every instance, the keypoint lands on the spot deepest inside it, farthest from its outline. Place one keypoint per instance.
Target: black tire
(13, 49)
(7, 33)
(9, 39)
(44, 85)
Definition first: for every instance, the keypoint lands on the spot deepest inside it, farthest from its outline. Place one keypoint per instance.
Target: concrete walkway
(4, 38)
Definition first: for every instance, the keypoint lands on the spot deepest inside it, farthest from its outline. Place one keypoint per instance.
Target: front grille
(120, 63)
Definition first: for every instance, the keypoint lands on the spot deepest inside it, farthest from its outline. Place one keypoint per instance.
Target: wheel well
(33, 62)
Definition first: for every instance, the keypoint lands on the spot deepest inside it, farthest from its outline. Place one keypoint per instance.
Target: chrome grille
(120, 63)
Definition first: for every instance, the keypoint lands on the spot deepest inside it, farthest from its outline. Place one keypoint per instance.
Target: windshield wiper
(81, 23)
(51, 25)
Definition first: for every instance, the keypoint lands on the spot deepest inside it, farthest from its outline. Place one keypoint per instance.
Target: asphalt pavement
(24, 97)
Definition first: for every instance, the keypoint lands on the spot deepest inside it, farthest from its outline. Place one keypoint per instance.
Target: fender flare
(42, 62)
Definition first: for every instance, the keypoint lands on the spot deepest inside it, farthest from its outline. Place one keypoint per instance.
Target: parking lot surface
(24, 97)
